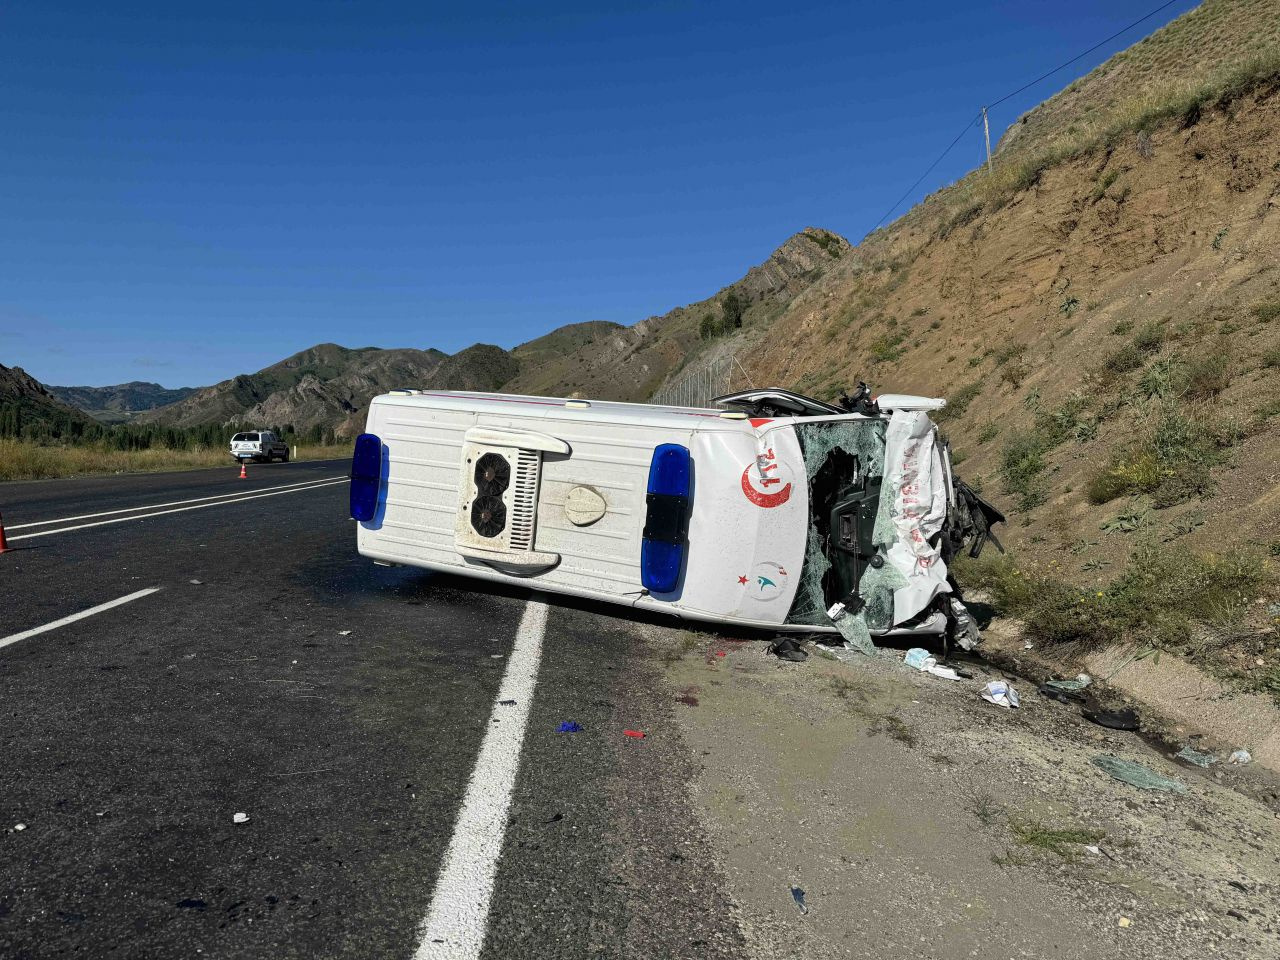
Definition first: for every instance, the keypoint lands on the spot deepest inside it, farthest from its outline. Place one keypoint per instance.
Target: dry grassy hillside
(1174, 59)
(1109, 340)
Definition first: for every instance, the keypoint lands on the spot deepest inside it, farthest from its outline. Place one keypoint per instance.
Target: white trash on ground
(1000, 693)
(240, 818)
(1240, 756)
(925, 662)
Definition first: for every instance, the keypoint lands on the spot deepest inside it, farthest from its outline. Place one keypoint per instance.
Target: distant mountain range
(120, 402)
(330, 386)
(24, 400)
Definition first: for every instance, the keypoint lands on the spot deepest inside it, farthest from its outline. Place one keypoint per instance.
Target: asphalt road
(338, 704)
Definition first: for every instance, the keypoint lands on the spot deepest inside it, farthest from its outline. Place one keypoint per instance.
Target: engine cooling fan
(493, 475)
(488, 514)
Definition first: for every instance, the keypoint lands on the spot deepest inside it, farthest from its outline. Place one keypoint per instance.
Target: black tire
(285, 458)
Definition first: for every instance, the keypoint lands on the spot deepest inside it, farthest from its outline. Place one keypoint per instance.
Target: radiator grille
(524, 498)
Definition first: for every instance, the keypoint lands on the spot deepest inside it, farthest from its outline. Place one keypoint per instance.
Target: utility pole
(986, 133)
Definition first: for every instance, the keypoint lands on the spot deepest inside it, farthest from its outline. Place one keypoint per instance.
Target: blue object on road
(798, 896)
(666, 523)
(569, 726)
(366, 476)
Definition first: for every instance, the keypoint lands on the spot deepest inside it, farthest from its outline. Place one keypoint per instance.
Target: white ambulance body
(699, 513)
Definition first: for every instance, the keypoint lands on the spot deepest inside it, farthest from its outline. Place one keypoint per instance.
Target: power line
(1025, 86)
(1062, 66)
(962, 132)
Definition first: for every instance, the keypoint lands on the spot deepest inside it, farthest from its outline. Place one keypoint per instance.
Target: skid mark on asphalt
(160, 513)
(171, 503)
(454, 928)
(109, 605)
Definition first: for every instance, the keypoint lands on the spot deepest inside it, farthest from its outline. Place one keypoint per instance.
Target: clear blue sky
(192, 191)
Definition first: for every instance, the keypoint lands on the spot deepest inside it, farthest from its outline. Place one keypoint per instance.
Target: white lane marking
(171, 503)
(455, 924)
(14, 638)
(160, 513)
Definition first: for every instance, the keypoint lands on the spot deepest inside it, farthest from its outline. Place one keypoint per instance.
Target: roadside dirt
(922, 821)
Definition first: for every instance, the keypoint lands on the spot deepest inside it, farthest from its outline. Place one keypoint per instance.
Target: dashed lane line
(111, 604)
(454, 928)
(160, 513)
(171, 503)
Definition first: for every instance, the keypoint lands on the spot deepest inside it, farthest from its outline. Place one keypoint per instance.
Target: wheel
(285, 458)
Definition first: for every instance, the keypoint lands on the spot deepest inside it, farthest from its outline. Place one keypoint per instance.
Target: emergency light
(666, 522)
(366, 476)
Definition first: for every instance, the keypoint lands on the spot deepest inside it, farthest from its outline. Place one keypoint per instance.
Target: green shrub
(886, 348)
(1013, 351)
(1271, 359)
(958, 402)
(1124, 359)
(1266, 311)
(1149, 338)
(988, 432)
(1122, 327)
(1160, 599)
(1104, 182)
(1136, 473)
(1209, 375)
(1021, 465)
(1164, 378)
(1171, 460)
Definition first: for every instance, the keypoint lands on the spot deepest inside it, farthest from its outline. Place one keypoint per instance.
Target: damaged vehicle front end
(886, 516)
(771, 510)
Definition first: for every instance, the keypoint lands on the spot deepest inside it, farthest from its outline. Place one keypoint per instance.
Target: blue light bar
(366, 476)
(666, 525)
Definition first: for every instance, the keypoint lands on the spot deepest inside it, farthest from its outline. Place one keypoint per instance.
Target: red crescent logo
(765, 500)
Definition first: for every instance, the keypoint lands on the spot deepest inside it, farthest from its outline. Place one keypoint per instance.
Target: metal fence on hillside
(697, 387)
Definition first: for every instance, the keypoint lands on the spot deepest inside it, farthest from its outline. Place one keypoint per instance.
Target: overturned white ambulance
(773, 510)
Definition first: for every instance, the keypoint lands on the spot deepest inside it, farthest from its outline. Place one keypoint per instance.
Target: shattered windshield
(844, 462)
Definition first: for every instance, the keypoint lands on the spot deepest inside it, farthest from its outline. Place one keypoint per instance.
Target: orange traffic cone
(4, 544)
(243, 474)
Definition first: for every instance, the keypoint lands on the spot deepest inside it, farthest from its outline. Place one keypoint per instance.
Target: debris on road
(1191, 755)
(1125, 719)
(191, 903)
(240, 818)
(196, 582)
(1125, 921)
(1136, 775)
(798, 896)
(569, 726)
(1240, 756)
(1000, 693)
(555, 819)
(967, 634)
(506, 703)
(19, 827)
(344, 633)
(784, 648)
(925, 662)
(636, 734)
(1081, 681)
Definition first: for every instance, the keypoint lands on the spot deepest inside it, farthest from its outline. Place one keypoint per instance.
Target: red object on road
(638, 734)
(243, 474)
(4, 544)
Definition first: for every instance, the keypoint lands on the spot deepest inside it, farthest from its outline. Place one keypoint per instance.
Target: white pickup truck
(259, 445)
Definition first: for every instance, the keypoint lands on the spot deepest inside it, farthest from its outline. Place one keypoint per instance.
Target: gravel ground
(922, 821)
